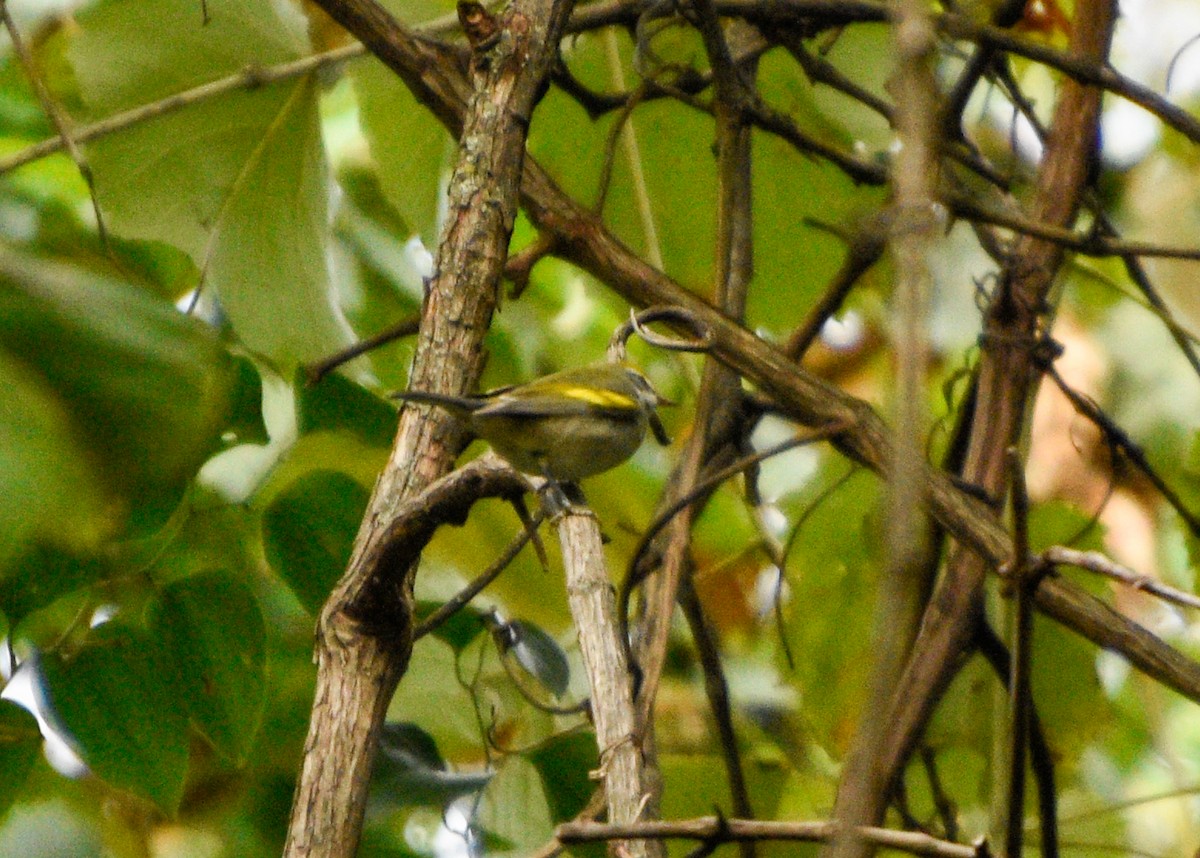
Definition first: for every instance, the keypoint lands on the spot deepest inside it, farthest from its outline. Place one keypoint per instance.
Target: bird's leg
(560, 497)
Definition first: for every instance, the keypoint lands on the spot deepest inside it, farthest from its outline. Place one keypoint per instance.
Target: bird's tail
(459, 406)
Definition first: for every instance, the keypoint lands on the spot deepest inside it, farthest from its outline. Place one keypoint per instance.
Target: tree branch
(593, 608)
(364, 633)
(717, 829)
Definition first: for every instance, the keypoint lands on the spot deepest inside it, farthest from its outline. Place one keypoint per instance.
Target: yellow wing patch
(601, 398)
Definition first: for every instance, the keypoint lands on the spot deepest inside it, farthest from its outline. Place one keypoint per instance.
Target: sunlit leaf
(238, 182)
(408, 143)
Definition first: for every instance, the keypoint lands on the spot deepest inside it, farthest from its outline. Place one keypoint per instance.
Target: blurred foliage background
(177, 501)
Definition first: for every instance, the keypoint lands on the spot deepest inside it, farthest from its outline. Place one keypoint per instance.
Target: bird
(565, 426)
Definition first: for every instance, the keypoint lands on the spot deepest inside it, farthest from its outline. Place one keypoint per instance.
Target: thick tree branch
(364, 634)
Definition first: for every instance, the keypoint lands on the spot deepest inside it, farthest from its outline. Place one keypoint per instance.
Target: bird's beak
(660, 433)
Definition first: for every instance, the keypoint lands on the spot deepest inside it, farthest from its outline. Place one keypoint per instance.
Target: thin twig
(66, 135)
(942, 802)
(711, 827)
(637, 173)
(1094, 561)
(1121, 440)
(865, 248)
(466, 594)
(404, 328)
(1137, 273)
(1041, 758)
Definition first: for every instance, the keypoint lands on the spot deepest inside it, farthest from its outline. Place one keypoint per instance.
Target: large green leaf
(125, 396)
(214, 633)
(113, 701)
(338, 404)
(309, 530)
(20, 742)
(410, 146)
(238, 182)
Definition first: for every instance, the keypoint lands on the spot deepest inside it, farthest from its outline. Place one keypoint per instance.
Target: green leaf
(246, 423)
(142, 390)
(41, 573)
(1059, 523)
(513, 816)
(459, 629)
(238, 182)
(563, 762)
(20, 743)
(337, 403)
(309, 530)
(213, 630)
(828, 623)
(114, 704)
(408, 144)
(43, 463)
(410, 770)
(432, 697)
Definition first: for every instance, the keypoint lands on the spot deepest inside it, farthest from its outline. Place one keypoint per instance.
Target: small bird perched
(564, 426)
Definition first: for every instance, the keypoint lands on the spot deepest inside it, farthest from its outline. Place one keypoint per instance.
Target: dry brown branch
(714, 829)
(364, 633)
